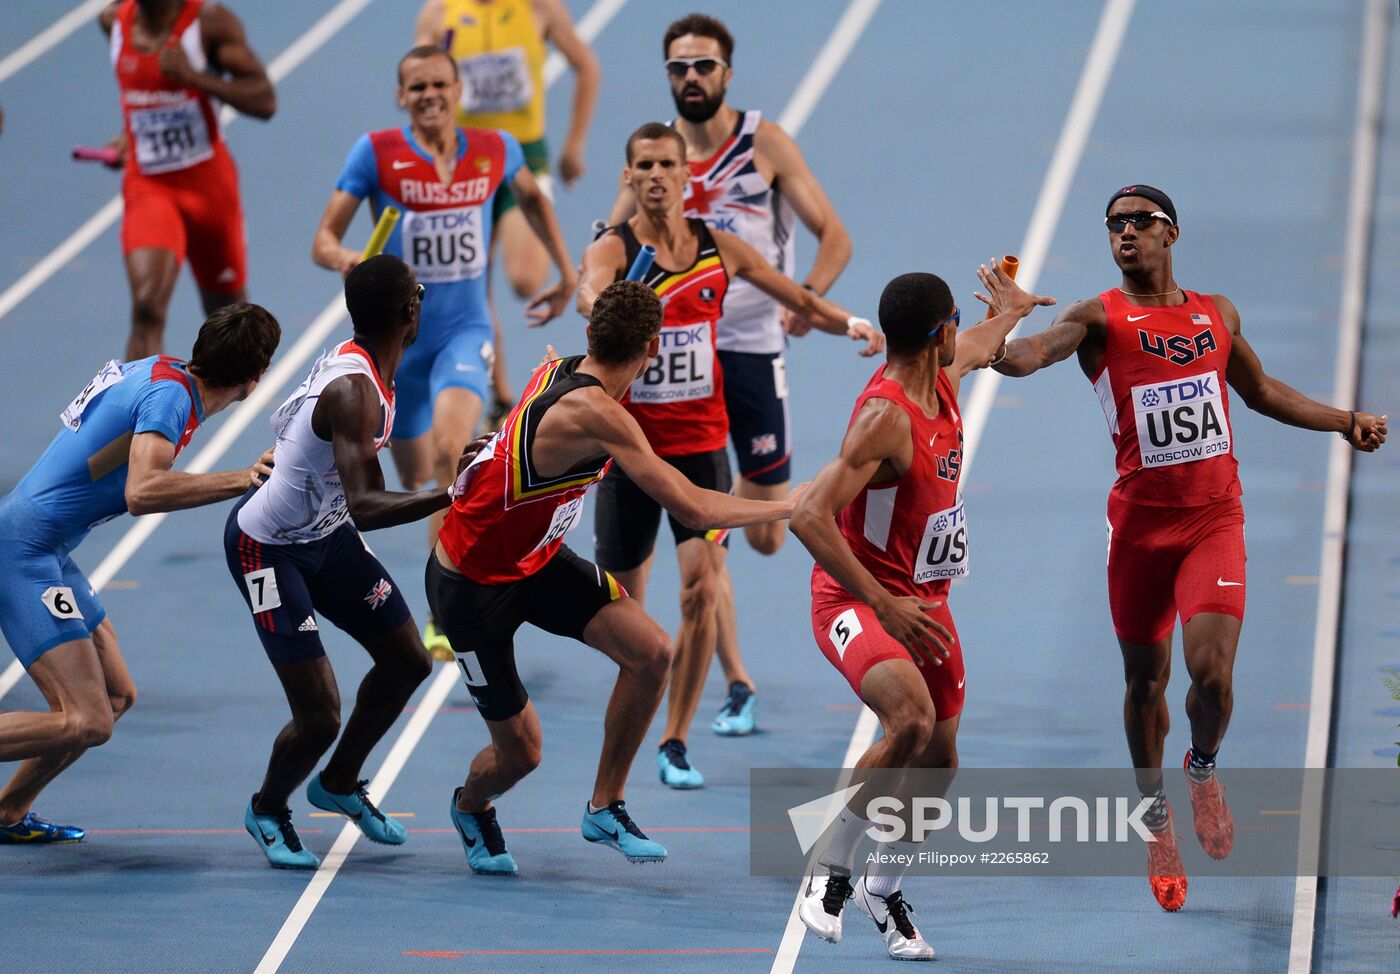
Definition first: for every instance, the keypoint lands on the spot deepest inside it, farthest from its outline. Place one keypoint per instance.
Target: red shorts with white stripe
(1170, 561)
(194, 212)
(853, 641)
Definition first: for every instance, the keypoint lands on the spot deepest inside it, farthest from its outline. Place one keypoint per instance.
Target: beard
(697, 111)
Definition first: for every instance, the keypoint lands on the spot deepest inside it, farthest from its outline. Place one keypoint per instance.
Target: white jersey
(729, 193)
(303, 500)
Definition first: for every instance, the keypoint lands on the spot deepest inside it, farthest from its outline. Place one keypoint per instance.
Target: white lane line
(50, 37)
(829, 59)
(1357, 264)
(379, 787)
(1103, 53)
(281, 66)
(589, 27)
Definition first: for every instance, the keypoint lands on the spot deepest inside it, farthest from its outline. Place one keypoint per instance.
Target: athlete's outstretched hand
(1004, 294)
(549, 303)
(796, 494)
(550, 355)
(118, 142)
(1368, 433)
(859, 329)
(793, 325)
(906, 619)
(261, 470)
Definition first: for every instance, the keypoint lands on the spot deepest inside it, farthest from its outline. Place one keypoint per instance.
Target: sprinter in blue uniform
(114, 454)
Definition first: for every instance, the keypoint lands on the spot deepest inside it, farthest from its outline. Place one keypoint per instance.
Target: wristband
(1351, 427)
(1001, 354)
(852, 323)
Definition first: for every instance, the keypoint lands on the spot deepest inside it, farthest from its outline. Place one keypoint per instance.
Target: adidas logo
(309, 625)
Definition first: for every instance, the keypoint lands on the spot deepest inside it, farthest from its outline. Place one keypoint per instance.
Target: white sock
(884, 877)
(839, 856)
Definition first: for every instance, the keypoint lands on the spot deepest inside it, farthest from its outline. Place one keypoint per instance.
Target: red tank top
(910, 533)
(169, 126)
(1163, 392)
(679, 399)
(508, 520)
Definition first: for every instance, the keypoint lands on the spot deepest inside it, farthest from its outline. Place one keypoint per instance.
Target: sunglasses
(1141, 220)
(678, 67)
(955, 318)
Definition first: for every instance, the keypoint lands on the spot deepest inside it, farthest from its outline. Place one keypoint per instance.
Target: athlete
(501, 561)
(294, 549)
(747, 177)
(885, 523)
(120, 437)
(500, 48)
(1160, 357)
(443, 179)
(176, 62)
(679, 402)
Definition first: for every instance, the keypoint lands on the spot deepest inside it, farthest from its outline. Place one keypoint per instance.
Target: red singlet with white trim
(507, 520)
(910, 533)
(1163, 391)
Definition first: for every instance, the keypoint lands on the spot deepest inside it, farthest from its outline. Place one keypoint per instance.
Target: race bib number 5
(943, 550)
(684, 370)
(1181, 421)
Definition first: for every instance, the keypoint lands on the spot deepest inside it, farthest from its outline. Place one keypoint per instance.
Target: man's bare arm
(741, 260)
(604, 262)
(152, 487)
(248, 88)
(348, 410)
(326, 247)
(428, 29)
(1080, 323)
(539, 213)
(588, 77)
(1279, 401)
(810, 202)
(978, 345)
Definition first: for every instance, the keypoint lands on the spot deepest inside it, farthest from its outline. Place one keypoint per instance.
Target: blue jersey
(80, 481)
(444, 232)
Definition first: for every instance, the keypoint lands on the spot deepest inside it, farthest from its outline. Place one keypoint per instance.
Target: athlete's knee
(766, 539)
(651, 657)
(148, 307)
(700, 594)
(912, 731)
(415, 666)
(1214, 682)
(319, 727)
(527, 276)
(87, 727)
(518, 757)
(1145, 689)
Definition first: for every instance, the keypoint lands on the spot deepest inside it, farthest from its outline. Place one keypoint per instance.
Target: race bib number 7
(1181, 421)
(943, 550)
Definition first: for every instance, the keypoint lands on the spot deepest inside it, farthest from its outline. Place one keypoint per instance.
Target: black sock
(1200, 760)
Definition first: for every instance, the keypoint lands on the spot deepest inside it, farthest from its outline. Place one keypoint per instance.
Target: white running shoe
(891, 916)
(821, 905)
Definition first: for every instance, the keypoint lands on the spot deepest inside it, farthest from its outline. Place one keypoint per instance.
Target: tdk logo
(1177, 349)
(1173, 393)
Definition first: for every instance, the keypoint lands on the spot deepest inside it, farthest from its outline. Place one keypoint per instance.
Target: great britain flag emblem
(379, 594)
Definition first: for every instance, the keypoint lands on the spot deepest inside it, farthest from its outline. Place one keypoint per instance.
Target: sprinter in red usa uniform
(885, 523)
(1160, 358)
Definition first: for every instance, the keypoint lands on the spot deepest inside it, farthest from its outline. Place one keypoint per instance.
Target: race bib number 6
(1181, 421)
(943, 550)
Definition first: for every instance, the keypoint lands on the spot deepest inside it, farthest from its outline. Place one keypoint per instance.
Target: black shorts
(756, 398)
(626, 519)
(286, 585)
(480, 620)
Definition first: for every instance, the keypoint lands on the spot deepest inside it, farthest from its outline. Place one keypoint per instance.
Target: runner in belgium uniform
(885, 523)
(679, 403)
(1160, 358)
(501, 561)
(176, 61)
